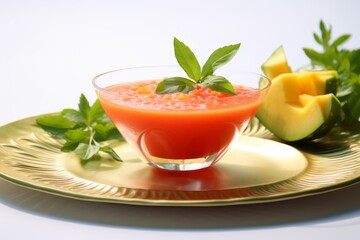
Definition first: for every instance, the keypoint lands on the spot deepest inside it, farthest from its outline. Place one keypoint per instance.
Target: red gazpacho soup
(198, 124)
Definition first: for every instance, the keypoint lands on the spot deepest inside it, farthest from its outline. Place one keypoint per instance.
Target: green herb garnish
(346, 62)
(199, 76)
(82, 130)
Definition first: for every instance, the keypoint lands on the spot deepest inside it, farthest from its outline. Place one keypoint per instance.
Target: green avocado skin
(325, 128)
(331, 86)
(333, 115)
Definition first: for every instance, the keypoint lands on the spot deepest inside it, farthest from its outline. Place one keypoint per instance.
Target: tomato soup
(180, 126)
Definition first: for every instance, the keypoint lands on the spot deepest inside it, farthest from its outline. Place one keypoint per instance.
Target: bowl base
(183, 164)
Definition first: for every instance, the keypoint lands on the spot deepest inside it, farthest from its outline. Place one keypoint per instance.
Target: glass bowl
(178, 131)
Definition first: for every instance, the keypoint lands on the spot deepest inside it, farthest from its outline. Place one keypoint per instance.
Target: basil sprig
(199, 76)
(346, 62)
(83, 130)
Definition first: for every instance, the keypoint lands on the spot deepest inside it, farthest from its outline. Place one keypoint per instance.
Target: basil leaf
(175, 84)
(317, 38)
(73, 115)
(95, 112)
(77, 135)
(113, 133)
(325, 34)
(340, 40)
(346, 62)
(353, 103)
(84, 106)
(316, 57)
(189, 63)
(69, 146)
(73, 138)
(82, 129)
(104, 132)
(55, 132)
(187, 60)
(55, 121)
(104, 119)
(355, 61)
(86, 151)
(218, 58)
(219, 84)
(111, 152)
(344, 68)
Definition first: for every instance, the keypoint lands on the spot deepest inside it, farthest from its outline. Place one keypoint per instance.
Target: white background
(50, 51)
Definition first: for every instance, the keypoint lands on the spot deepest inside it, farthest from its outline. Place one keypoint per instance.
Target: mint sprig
(199, 76)
(345, 61)
(83, 130)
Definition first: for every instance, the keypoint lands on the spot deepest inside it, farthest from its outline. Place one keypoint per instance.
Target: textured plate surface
(257, 169)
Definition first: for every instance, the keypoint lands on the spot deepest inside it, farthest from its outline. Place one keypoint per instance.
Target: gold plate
(257, 169)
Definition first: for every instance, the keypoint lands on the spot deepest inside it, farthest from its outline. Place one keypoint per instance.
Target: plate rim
(181, 203)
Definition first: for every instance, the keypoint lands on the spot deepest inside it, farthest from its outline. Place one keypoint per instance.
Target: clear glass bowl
(176, 133)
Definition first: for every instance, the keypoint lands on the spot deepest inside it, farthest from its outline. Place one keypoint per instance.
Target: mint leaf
(95, 112)
(346, 62)
(86, 151)
(219, 84)
(84, 106)
(325, 34)
(187, 60)
(111, 152)
(106, 132)
(69, 146)
(77, 135)
(82, 130)
(354, 59)
(112, 134)
(101, 131)
(353, 102)
(315, 56)
(55, 132)
(317, 38)
(189, 63)
(340, 40)
(73, 116)
(218, 58)
(175, 84)
(55, 121)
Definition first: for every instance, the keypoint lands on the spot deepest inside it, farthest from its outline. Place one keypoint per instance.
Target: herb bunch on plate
(346, 62)
(84, 130)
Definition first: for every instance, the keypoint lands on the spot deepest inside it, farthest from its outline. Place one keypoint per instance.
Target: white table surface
(49, 52)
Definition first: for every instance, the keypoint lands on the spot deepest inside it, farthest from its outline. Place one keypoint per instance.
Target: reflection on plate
(257, 169)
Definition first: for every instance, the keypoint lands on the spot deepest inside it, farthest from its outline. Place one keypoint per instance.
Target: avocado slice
(301, 105)
(276, 64)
